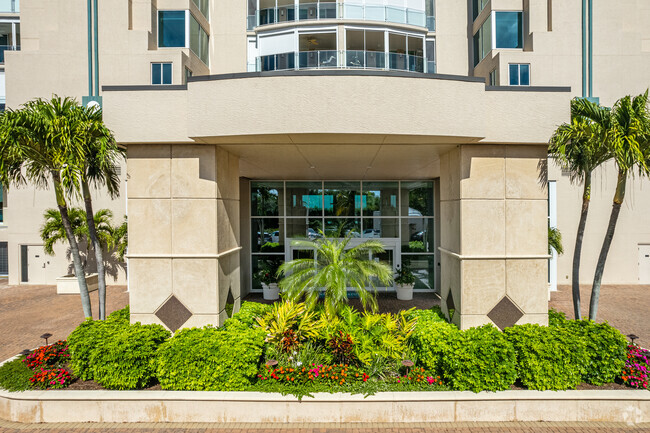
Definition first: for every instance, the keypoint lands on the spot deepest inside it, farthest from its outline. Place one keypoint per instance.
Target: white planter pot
(270, 292)
(68, 285)
(404, 292)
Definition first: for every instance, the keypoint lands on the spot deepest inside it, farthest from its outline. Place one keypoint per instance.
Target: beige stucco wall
(183, 231)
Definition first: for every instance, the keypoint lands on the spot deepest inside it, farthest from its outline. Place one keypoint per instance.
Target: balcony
(350, 59)
(340, 10)
(9, 6)
(4, 48)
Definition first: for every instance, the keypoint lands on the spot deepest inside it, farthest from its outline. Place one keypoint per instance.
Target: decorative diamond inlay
(505, 313)
(450, 301)
(173, 313)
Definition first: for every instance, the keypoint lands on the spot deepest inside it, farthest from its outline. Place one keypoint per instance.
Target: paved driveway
(463, 427)
(627, 308)
(27, 312)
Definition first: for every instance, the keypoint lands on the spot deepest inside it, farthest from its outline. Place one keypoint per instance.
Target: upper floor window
(9, 38)
(204, 7)
(478, 6)
(519, 74)
(172, 30)
(161, 73)
(483, 41)
(493, 78)
(199, 40)
(2, 200)
(509, 29)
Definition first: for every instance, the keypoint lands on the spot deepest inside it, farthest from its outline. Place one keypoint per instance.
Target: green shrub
(84, 340)
(556, 318)
(123, 359)
(479, 359)
(210, 359)
(430, 342)
(548, 357)
(425, 317)
(15, 375)
(248, 313)
(605, 350)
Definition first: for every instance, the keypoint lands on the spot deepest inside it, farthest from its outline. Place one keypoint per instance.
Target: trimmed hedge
(215, 359)
(15, 375)
(430, 343)
(116, 354)
(606, 347)
(548, 358)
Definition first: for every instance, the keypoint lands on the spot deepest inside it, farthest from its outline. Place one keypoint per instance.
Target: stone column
(493, 246)
(183, 205)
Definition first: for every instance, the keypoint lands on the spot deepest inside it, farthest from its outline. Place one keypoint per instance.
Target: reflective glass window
(342, 198)
(417, 235)
(342, 227)
(422, 267)
(264, 263)
(380, 199)
(380, 228)
(304, 199)
(267, 198)
(509, 30)
(304, 228)
(267, 235)
(171, 29)
(417, 199)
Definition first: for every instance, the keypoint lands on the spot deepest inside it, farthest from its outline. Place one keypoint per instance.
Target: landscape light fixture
(45, 337)
(632, 337)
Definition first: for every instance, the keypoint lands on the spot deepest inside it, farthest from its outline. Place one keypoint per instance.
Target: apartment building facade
(417, 122)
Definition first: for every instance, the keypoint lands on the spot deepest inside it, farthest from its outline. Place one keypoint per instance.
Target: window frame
(493, 17)
(162, 74)
(187, 28)
(518, 65)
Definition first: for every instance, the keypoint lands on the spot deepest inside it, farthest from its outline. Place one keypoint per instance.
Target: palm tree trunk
(619, 196)
(575, 278)
(74, 247)
(99, 254)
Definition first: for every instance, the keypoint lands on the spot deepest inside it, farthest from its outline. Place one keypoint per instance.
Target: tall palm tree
(628, 140)
(121, 239)
(334, 268)
(53, 232)
(98, 167)
(579, 148)
(41, 143)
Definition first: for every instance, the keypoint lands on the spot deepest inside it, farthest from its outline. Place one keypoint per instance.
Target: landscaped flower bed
(291, 349)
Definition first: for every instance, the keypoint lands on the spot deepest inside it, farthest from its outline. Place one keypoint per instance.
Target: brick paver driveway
(464, 427)
(627, 308)
(27, 312)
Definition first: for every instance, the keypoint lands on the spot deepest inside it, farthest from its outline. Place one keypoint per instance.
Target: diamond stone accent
(450, 301)
(505, 313)
(173, 313)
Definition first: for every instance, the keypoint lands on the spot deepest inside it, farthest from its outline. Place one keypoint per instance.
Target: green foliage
(123, 359)
(479, 359)
(605, 347)
(216, 359)
(426, 317)
(430, 341)
(120, 240)
(373, 336)
(288, 325)
(15, 375)
(84, 340)
(555, 241)
(248, 314)
(548, 358)
(335, 269)
(404, 275)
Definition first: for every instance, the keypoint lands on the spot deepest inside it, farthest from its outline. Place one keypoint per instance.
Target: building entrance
(397, 213)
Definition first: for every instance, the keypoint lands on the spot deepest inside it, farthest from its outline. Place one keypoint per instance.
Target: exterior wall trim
(494, 257)
(147, 87)
(528, 89)
(184, 256)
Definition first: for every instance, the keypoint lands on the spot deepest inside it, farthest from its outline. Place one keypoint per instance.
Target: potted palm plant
(404, 282)
(268, 278)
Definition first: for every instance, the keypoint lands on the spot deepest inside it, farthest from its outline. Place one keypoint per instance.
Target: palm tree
(99, 168)
(41, 143)
(334, 268)
(628, 140)
(579, 148)
(53, 232)
(121, 239)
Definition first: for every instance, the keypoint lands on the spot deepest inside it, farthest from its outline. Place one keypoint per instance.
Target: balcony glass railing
(9, 6)
(4, 48)
(350, 59)
(321, 11)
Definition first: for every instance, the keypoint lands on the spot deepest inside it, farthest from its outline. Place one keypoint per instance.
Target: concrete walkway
(463, 427)
(27, 312)
(627, 308)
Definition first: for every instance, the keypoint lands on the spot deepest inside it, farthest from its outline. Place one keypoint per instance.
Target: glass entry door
(388, 257)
